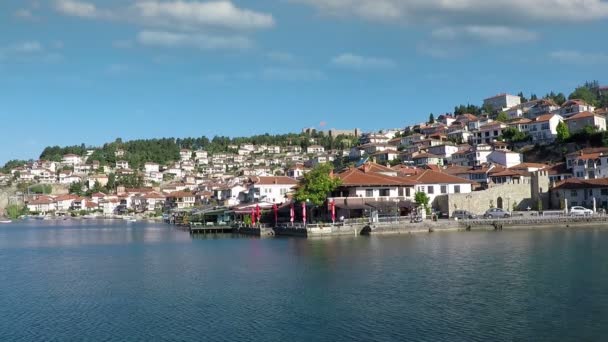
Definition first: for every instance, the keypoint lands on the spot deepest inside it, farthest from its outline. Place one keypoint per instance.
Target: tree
(559, 98)
(317, 184)
(563, 133)
(533, 97)
(111, 182)
(523, 98)
(513, 135)
(431, 118)
(13, 211)
(502, 117)
(422, 199)
(76, 188)
(584, 94)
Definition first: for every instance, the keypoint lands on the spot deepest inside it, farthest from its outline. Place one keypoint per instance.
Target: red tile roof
(434, 177)
(274, 180)
(582, 115)
(356, 177)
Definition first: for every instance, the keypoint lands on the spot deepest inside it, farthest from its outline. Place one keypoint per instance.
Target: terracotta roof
(434, 177)
(582, 115)
(66, 197)
(180, 194)
(356, 177)
(98, 194)
(577, 183)
(509, 173)
(154, 195)
(558, 169)
(426, 155)
(41, 200)
(545, 117)
(282, 180)
(370, 167)
(528, 165)
(574, 102)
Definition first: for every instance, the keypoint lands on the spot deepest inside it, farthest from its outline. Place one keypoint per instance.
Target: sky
(75, 72)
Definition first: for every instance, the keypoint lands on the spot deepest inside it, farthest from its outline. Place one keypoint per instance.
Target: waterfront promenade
(403, 225)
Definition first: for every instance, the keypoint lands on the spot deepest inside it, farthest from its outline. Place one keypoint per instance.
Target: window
(604, 192)
(283, 191)
(400, 192)
(456, 189)
(385, 192)
(407, 192)
(431, 189)
(444, 189)
(369, 193)
(544, 126)
(573, 193)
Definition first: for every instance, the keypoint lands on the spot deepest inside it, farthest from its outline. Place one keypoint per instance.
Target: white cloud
(79, 9)
(578, 57)
(292, 74)
(465, 11)
(489, 34)
(174, 15)
(182, 14)
(193, 40)
(356, 62)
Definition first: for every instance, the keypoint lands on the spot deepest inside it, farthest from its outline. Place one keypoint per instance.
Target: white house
(544, 128)
(270, 189)
(434, 183)
(151, 167)
(122, 164)
(185, 154)
(71, 159)
(575, 106)
(505, 158)
(313, 149)
(502, 101)
(579, 121)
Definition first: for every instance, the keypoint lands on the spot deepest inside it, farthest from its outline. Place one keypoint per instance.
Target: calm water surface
(98, 281)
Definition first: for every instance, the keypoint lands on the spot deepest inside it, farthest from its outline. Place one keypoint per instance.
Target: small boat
(6, 221)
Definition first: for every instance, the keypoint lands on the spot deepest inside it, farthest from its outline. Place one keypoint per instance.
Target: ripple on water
(102, 282)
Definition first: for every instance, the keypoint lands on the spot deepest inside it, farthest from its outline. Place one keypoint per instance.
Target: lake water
(98, 281)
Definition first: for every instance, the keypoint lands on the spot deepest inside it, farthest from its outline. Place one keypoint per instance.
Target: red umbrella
(252, 216)
(332, 206)
(292, 213)
(258, 211)
(276, 214)
(304, 212)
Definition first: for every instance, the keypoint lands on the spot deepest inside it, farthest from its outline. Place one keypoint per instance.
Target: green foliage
(130, 181)
(502, 117)
(44, 189)
(469, 108)
(563, 133)
(431, 118)
(76, 188)
(422, 199)
(586, 94)
(559, 98)
(13, 211)
(523, 98)
(56, 153)
(11, 164)
(111, 186)
(317, 184)
(513, 135)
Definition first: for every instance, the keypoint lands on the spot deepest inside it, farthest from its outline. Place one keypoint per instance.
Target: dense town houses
(447, 159)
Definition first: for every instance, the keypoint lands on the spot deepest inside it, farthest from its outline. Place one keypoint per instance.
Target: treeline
(166, 150)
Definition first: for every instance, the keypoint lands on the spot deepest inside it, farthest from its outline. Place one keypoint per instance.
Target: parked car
(463, 214)
(496, 213)
(580, 211)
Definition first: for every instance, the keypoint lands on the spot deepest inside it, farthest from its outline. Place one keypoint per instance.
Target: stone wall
(479, 201)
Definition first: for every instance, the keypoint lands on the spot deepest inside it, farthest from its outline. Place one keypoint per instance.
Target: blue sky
(76, 72)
